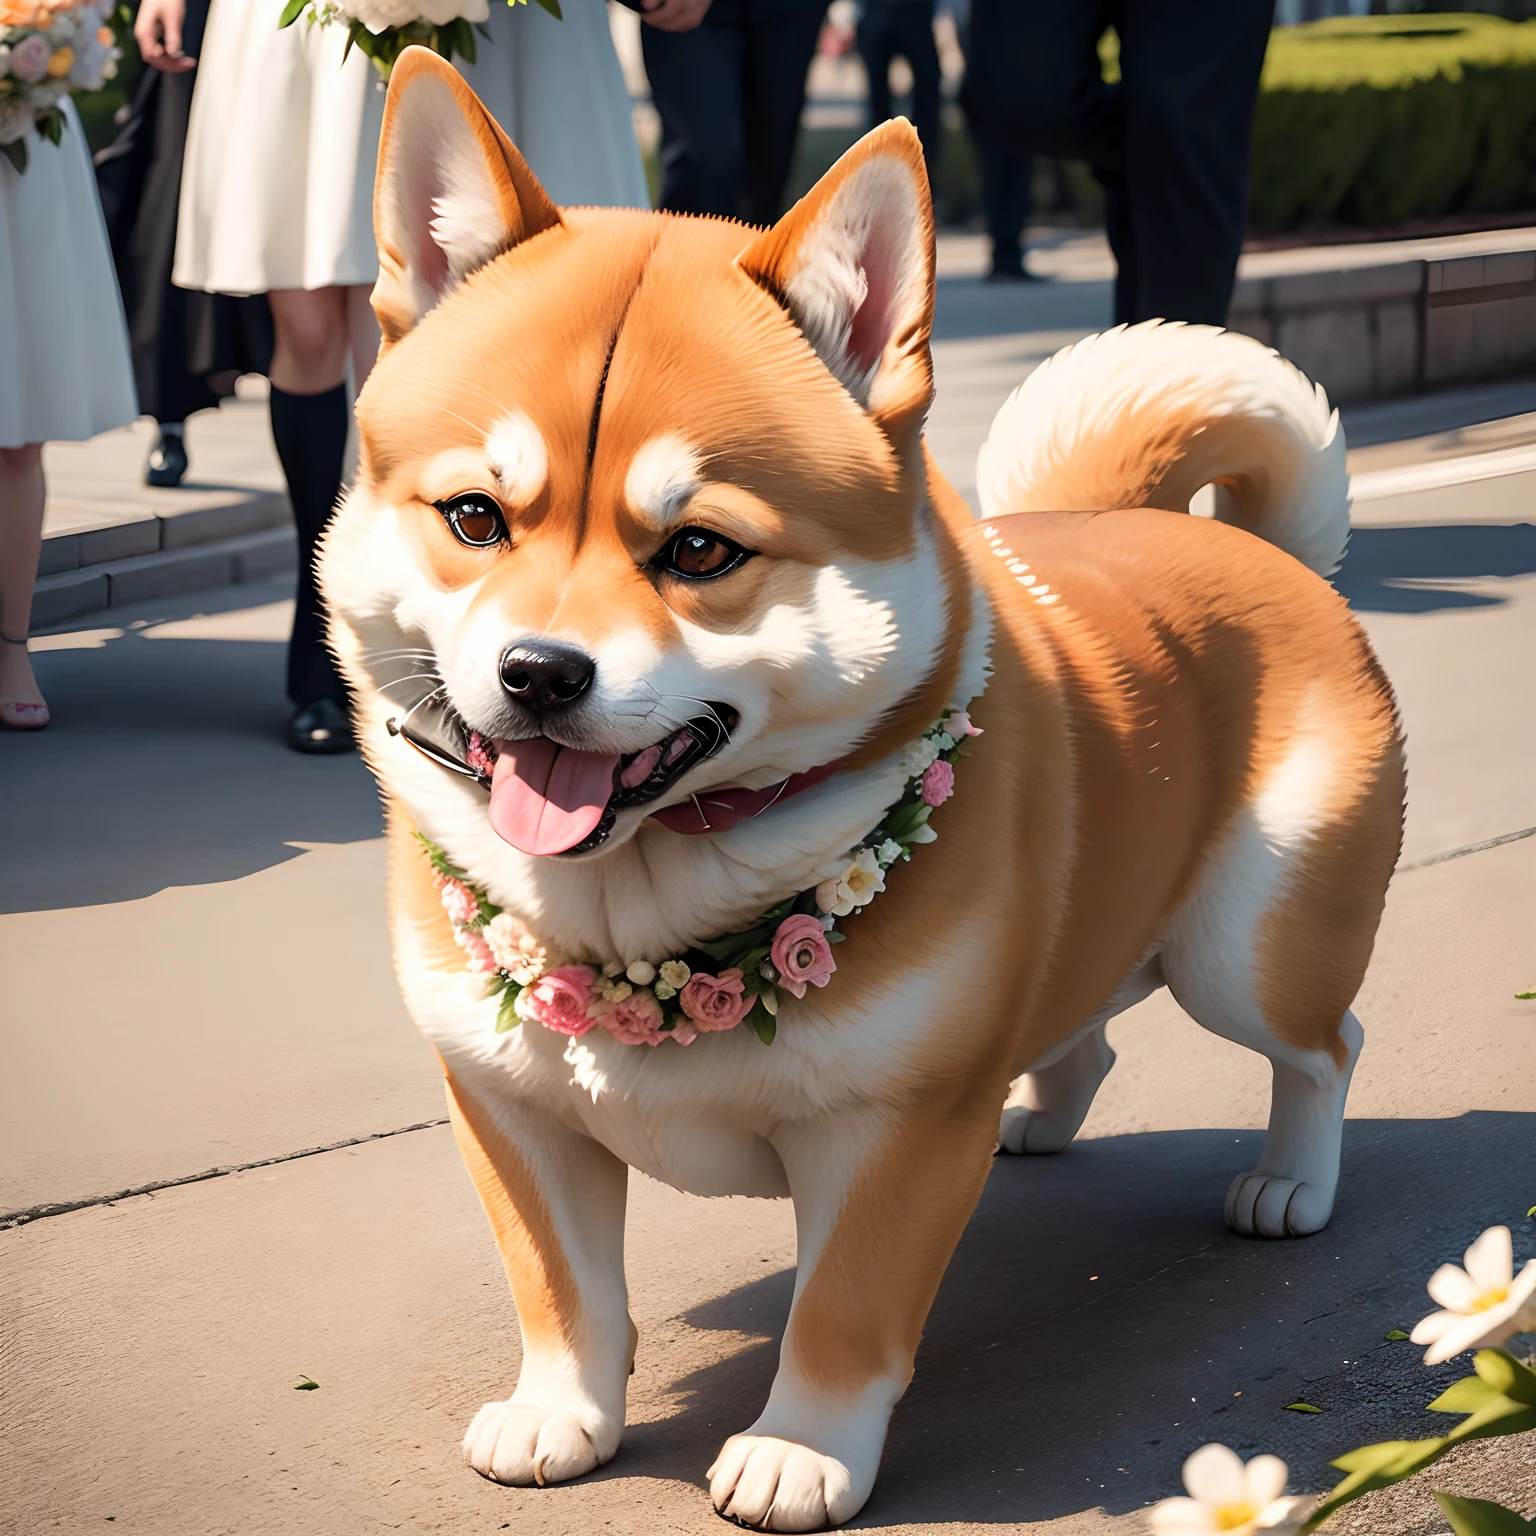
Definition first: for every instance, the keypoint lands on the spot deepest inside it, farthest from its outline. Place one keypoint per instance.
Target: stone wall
(1401, 328)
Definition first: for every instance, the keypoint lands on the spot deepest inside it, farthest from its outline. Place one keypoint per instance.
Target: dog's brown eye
(475, 519)
(696, 553)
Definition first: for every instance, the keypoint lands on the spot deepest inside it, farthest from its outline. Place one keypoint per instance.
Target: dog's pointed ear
(451, 191)
(852, 262)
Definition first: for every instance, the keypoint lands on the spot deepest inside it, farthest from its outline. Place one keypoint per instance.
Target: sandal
(22, 714)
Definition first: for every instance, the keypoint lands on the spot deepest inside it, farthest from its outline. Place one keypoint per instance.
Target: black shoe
(1019, 274)
(320, 726)
(167, 461)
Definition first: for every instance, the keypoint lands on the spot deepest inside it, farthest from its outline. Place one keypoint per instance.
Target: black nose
(546, 674)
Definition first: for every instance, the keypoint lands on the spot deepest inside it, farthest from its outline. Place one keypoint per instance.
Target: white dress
(558, 90)
(65, 371)
(277, 184)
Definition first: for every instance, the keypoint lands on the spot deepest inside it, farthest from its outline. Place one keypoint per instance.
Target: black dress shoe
(167, 461)
(320, 726)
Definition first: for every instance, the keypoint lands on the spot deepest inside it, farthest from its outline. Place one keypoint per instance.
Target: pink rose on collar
(473, 943)
(801, 954)
(716, 1002)
(559, 1001)
(938, 782)
(635, 1021)
(459, 902)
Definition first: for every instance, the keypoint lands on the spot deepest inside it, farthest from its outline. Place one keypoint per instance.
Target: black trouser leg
(1191, 78)
(1006, 188)
(310, 432)
(696, 84)
(877, 47)
(914, 21)
(781, 42)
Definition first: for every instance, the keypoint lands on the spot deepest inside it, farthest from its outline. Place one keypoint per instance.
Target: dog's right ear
(451, 191)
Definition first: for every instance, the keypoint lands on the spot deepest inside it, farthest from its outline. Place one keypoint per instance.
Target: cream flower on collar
(1483, 1304)
(1226, 1496)
(857, 886)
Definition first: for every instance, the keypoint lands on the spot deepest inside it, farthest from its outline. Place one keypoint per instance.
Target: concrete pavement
(197, 976)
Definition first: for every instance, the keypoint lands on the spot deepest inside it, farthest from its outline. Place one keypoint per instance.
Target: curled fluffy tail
(1147, 415)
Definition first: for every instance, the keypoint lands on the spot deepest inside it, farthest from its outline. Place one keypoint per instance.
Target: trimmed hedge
(1376, 119)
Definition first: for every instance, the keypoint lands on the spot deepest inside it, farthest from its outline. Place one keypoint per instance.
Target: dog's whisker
(415, 677)
(417, 705)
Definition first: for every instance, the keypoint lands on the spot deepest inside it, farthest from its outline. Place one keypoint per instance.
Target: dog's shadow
(1425, 569)
(1099, 1323)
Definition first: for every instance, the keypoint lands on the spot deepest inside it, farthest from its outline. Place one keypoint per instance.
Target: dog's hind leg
(1272, 945)
(555, 1200)
(1047, 1105)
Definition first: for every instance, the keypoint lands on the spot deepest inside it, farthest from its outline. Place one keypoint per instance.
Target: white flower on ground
(857, 885)
(1226, 1496)
(1483, 1304)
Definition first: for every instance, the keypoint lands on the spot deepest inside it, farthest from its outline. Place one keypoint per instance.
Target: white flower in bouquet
(377, 15)
(441, 12)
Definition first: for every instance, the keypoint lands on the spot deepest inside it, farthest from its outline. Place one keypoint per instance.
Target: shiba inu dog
(646, 530)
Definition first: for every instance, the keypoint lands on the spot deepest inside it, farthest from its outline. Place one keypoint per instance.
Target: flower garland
(717, 985)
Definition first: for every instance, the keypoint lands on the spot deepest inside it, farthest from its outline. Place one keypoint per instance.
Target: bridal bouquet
(384, 29)
(49, 48)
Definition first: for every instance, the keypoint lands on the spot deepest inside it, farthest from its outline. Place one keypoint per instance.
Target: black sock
(310, 432)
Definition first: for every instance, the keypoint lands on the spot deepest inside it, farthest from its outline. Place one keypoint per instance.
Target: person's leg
(1191, 78)
(922, 54)
(22, 498)
(309, 428)
(1005, 182)
(781, 42)
(362, 335)
(876, 45)
(1033, 78)
(696, 84)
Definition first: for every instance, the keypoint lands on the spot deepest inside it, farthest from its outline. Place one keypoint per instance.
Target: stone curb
(107, 584)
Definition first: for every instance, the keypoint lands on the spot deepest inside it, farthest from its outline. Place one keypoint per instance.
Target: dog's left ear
(450, 194)
(852, 262)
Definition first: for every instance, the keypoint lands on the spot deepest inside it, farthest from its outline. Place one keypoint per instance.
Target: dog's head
(643, 497)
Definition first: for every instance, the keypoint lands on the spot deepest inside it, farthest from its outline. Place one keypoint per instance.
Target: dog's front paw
(521, 1443)
(779, 1485)
(1268, 1205)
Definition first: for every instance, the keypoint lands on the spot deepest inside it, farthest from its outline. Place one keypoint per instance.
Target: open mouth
(549, 799)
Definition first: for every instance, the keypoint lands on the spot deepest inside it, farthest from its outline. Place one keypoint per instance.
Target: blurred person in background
(1169, 141)
(64, 368)
(188, 348)
(1006, 180)
(903, 29)
(728, 80)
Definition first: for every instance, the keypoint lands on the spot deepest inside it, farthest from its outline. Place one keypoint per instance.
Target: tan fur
(547, 1304)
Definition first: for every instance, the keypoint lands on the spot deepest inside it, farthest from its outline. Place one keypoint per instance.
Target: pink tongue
(546, 798)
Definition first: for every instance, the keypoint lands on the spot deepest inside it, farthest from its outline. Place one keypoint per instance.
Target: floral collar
(719, 984)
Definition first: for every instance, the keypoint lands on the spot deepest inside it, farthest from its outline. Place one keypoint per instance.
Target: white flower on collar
(1483, 1304)
(1228, 1497)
